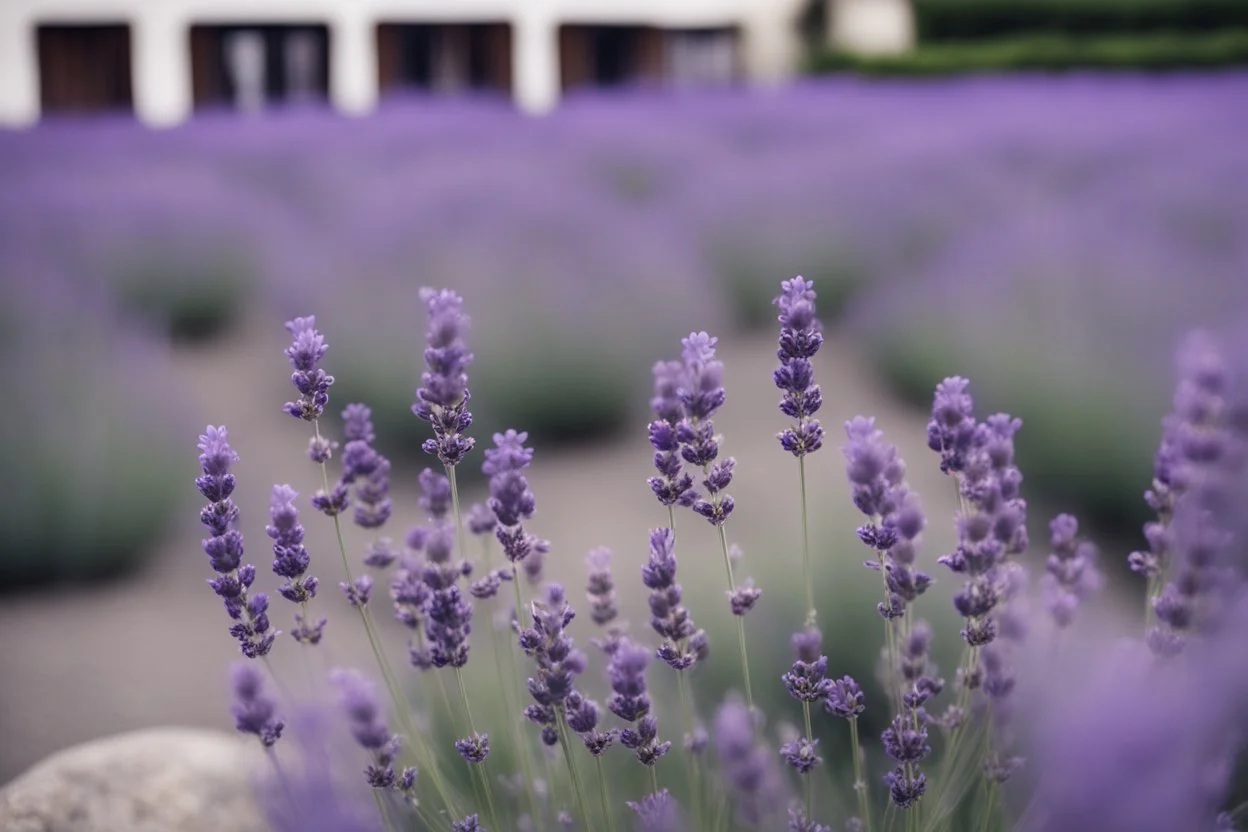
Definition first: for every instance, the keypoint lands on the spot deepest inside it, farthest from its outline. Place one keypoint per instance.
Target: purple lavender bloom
(381, 553)
(365, 469)
(224, 546)
(801, 335)
(952, 425)
(801, 754)
(673, 486)
(644, 741)
(798, 822)
(442, 399)
(627, 673)
(807, 644)
(1071, 570)
(845, 698)
(1195, 497)
(291, 561)
(313, 383)
(511, 500)
(435, 495)
(481, 519)
(358, 698)
(701, 395)
(742, 599)
(359, 592)
(474, 749)
(254, 711)
(468, 824)
(583, 714)
(558, 661)
(806, 681)
(600, 587)
(668, 616)
(906, 742)
(657, 812)
(877, 484)
(750, 770)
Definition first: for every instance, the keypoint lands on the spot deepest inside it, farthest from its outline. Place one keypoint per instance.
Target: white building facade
(164, 58)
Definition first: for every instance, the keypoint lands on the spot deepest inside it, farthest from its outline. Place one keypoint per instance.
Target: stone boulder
(158, 780)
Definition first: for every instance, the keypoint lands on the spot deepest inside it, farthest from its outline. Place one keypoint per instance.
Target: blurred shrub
(89, 454)
(1051, 53)
(185, 296)
(951, 20)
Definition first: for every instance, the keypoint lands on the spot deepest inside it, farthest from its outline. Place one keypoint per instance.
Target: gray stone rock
(159, 780)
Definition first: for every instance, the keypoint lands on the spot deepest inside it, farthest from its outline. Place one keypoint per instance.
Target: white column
(873, 26)
(19, 70)
(535, 62)
(352, 63)
(770, 46)
(161, 71)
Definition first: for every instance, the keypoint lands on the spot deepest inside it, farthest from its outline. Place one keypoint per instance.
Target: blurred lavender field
(1049, 237)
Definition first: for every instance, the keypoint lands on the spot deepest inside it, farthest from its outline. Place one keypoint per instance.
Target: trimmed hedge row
(1051, 53)
(956, 20)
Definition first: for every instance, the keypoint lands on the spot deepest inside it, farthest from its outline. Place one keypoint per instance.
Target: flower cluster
(442, 399)
(702, 395)
(631, 702)
(801, 335)
(749, 769)
(254, 711)
(1071, 571)
(1200, 468)
(365, 470)
(290, 561)
(558, 664)
(512, 501)
(683, 644)
(224, 546)
(673, 486)
(877, 482)
(313, 383)
(364, 717)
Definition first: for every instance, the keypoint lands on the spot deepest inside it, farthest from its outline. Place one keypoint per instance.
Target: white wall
(160, 40)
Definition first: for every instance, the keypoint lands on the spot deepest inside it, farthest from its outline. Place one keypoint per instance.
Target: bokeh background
(1040, 195)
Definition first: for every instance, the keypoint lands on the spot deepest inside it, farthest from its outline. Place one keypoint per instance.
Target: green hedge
(1052, 53)
(960, 20)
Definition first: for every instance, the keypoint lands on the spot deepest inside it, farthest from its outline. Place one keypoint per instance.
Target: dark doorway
(606, 56)
(251, 66)
(444, 57)
(84, 68)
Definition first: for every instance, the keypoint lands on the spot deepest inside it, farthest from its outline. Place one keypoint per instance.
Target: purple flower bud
(743, 598)
(313, 383)
(600, 588)
(474, 749)
(657, 812)
(800, 338)
(844, 699)
(359, 592)
(468, 824)
(254, 712)
(442, 399)
(800, 754)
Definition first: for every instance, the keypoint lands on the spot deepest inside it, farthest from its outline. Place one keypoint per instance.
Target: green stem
(392, 687)
(603, 789)
(860, 785)
(732, 587)
(695, 778)
(989, 809)
(654, 779)
(478, 768)
(381, 810)
(811, 615)
(579, 792)
(810, 735)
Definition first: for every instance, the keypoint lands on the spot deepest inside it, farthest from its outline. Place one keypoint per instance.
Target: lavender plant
(937, 773)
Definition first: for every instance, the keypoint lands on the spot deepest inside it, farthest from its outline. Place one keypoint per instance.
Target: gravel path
(80, 663)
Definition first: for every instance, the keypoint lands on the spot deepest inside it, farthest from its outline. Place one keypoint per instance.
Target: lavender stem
(603, 788)
(860, 785)
(811, 615)
(578, 791)
(478, 768)
(732, 587)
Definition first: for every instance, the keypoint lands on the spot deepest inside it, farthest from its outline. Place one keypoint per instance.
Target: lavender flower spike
(511, 499)
(254, 711)
(800, 338)
(1071, 571)
(358, 698)
(442, 399)
(658, 812)
(683, 643)
(701, 396)
(558, 664)
(673, 486)
(290, 561)
(367, 471)
(750, 770)
(313, 383)
(224, 546)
